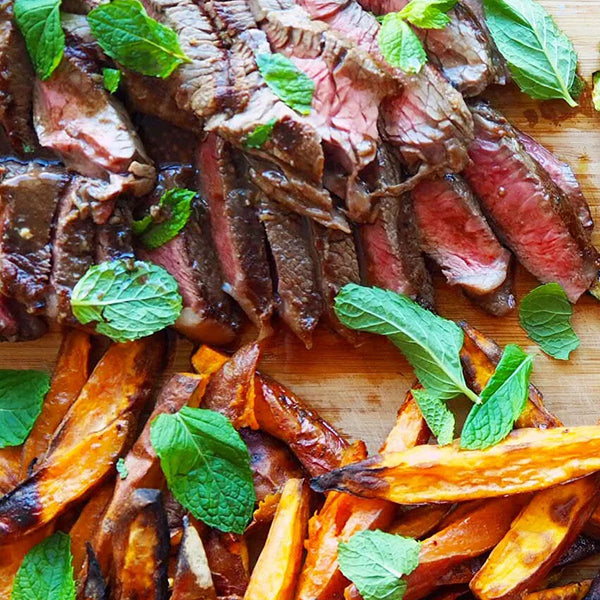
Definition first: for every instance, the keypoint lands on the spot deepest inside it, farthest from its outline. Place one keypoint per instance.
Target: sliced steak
(29, 199)
(16, 83)
(237, 232)
(563, 176)
(393, 257)
(338, 265)
(530, 213)
(297, 278)
(114, 238)
(212, 81)
(76, 117)
(72, 249)
(16, 324)
(455, 234)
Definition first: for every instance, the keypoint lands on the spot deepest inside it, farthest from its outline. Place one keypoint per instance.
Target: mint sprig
(437, 415)
(376, 562)
(111, 78)
(207, 466)
(428, 14)
(259, 135)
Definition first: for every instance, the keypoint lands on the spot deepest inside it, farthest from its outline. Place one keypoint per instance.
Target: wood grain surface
(359, 390)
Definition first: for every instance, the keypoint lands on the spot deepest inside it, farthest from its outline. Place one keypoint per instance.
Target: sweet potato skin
(542, 532)
(70, 375)
(227, 555)
(274, 576)
(141, 549)
(527, 460)
(571, 591)
(420, 521)
(92, 584)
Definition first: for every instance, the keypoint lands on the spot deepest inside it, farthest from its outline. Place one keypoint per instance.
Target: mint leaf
(175, 209)
(540, 56)
(596, 90)
(503, 401)
(375, 562)
(545, 314)
(430, 343)
(129, 300)
(428, 14)
(260, 134)
(21, 398)
(437, 416)
(111, 79)
(287, 81)
(207, 466)
(400, 45)
(122, 469)
(39, 22)
(577, 87)
(127, 34)
(46, 572)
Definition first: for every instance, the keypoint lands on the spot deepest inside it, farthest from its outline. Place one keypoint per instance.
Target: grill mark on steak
(530, 213)
(237, 233)
(455, 234)
(300, 304)
(29, 197)
(16, 324)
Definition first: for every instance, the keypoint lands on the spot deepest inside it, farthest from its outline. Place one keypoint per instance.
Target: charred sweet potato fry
(536, 539)
(141, 548)
(469, 537)
(571, 591)
(141, 462)
(527, 460)
(582, 548)
(410, 429)
(193, 579)
(85, 528)
(10, 466)
(227, 555)
(420, 521)
(207, 361)
(92, 584)
(274, 576)
(71, 373)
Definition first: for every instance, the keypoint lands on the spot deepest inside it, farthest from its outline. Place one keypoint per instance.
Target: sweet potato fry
(537, 538)
(141, 462)
(141, 548)
(274, 576)
(231, 388)
(571, 591)
(410, 429)
(92, 585)
(316, 444)
(193, 579)
(207, 361)
(527, 460)
(227, 555)
(420, 521)
(10, 465)
(71, 373)
(469, 537)
(85, 528)
(582, 548)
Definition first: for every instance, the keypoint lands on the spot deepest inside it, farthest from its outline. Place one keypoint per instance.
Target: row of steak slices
(268, 229)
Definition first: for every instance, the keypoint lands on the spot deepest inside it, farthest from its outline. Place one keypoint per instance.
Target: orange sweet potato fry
(141, 548)
(71, 372)
(527, 460)
(207, 361)
(276, 571)
(420, 521)
(410, 429)
(571, 591)
(537, 538)
(10, 465)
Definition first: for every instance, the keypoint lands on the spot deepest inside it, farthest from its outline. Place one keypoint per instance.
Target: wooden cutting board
(360, 389)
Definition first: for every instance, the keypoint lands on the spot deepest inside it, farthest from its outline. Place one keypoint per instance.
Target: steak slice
(72, 249)
(76, 117)
(114, 238)
(563, 176)
(29, 198)
(455, 234)
(393, 257)
(529, 212)
(16, 324)
(300, 303)
(16, 83)
(238, 235)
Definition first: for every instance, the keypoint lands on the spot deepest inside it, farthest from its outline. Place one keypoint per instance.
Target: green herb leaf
(428, 14)
(577, 87)
(122, 469)
(46, 572)
(375, 562)
(39, 22)
(126, 33)
(596, 90)
(545, 314)
(21, 398)
(175, 208)
(128, 300)
(400, 45)
(207, 466)
(540, 56)
(111, 79)
(503, 401)
(287, 81)
(430, 343)
(437, 416)
(260, 134)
